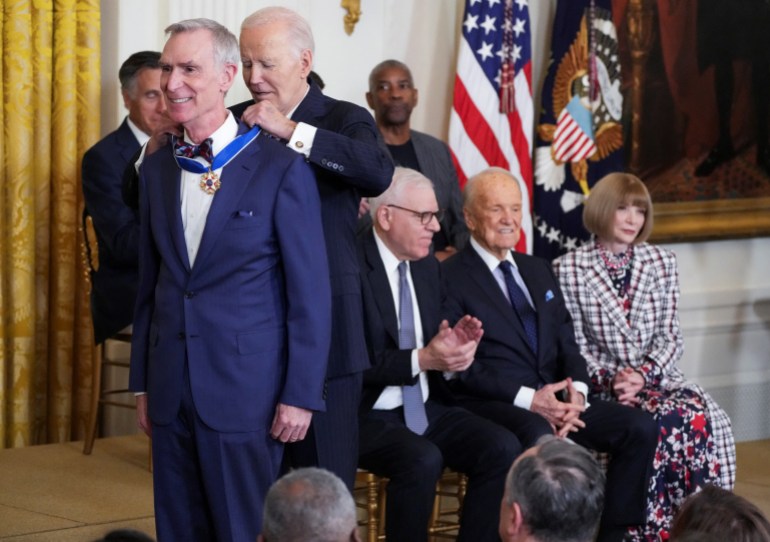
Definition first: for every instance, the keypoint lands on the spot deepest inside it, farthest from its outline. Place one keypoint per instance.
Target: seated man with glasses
(409, 430)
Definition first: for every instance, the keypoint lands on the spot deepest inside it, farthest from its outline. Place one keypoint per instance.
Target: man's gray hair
(309, 505)
(226, 49)
(402, 178)
(300, 34)
(386, 65)
(560, 490)
(469, 192)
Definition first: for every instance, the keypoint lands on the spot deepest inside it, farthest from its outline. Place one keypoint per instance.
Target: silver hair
(402, 178)
(226, 49)
(300, 34)
(308, 505)
(469, 192)
(560, 490)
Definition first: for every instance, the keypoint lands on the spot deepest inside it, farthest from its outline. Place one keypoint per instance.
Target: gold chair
(370, 493)
(100, 354)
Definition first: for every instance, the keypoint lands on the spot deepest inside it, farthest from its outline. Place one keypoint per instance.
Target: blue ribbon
(223, 157)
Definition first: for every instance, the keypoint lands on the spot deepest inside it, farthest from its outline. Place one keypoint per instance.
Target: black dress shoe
(717, 156)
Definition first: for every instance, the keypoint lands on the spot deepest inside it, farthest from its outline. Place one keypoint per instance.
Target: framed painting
(696, 93)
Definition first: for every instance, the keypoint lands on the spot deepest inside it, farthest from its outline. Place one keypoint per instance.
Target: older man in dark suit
(232, 326)
(410, 429)
(528, 374)
(113, 290)
(339, 141)
(392, 97)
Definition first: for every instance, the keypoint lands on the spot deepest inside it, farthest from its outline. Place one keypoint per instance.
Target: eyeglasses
(425, 216)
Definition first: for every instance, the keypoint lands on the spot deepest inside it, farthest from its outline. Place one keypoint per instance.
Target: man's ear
(369, 100)
(355, 536)
(517, 520)
(306, 61)
(382, 217)
(469, 219)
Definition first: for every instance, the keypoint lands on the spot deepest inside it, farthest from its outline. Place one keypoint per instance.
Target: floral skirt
(685, 459)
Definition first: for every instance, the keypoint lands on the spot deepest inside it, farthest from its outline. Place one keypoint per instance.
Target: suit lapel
(127, 143)
(170, 180)
(598, 282)
(236, 177)
(311, 107)
(383, 296)
(495, 297)
(537, 291)
(642, 284)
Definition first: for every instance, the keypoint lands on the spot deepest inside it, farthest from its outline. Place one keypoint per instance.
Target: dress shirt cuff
(415, 363)
(524, 398)
(138, 393)
(302, 139)
(582, 387)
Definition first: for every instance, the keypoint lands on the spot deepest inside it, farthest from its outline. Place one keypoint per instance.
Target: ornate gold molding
(353, 7)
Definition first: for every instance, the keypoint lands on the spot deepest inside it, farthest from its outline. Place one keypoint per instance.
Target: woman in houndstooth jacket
(623, 295)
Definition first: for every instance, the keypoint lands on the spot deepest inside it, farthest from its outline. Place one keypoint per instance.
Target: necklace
(619, 269)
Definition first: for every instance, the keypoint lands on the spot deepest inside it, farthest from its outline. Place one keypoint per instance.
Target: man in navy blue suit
(529, 375)
(410, 429)
(232, 325)
(113, 284)
(339, 141)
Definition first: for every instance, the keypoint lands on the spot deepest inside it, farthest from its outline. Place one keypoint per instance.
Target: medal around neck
(210, 181)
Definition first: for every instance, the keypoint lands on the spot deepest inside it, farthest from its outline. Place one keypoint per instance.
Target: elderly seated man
(309, 505)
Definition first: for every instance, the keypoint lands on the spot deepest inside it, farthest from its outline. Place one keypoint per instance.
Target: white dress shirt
(392, 396)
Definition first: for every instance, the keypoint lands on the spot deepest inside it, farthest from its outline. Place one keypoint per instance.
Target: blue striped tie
(414, 405)
(527, 315)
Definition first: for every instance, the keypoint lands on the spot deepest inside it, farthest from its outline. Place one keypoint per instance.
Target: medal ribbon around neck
(210, 182)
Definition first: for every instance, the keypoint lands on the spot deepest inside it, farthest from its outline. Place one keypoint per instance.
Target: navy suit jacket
(113, 291)
(504, 361)
(252, 316)
(392, 366)
(348, 165)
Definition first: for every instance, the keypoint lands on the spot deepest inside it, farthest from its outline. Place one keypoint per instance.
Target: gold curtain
(49, 117)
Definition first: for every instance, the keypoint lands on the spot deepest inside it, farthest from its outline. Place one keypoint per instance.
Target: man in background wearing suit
(409, 429)
(528, 374)
(113, 290)
(392, 96)
(232, 325)
(339, 141)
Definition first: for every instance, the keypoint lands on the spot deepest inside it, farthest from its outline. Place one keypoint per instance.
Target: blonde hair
(607, 195)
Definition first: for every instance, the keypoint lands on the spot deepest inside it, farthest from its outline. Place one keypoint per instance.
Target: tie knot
(188, 150)
(506, 266)
(402, 267)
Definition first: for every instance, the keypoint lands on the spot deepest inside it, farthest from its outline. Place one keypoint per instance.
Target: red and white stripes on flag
(481, 132)
(573, 139)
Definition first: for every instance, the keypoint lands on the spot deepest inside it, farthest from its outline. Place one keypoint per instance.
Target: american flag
(574, 136)
(492, 115)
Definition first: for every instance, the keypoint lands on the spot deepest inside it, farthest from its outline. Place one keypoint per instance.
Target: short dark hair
(607, 195)
(384, 65)
(722, 514)
(560, 490)
(137, 62)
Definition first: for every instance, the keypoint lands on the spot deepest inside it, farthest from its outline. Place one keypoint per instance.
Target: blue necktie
(414, 405)
(524, 310)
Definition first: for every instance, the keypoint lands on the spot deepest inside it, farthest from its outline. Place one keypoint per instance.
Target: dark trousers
(628, 434)
(455, 438)
(332, 440)
(210, 485)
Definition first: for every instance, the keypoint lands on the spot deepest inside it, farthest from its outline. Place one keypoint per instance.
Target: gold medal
(210, 182)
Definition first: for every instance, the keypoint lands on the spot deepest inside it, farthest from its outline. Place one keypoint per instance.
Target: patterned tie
(191, 151)
(524, 310)
(414, 406)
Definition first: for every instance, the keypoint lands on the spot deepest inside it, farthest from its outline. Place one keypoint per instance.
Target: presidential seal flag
(579, 136)
(492, 120)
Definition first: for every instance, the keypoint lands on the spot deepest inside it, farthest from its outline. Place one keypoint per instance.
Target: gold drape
(49, 117)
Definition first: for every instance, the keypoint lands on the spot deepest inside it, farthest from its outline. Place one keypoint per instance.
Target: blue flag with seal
(580, 133)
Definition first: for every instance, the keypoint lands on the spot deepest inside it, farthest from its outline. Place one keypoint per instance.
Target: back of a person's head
(722, 515)
(559, 487)
(308, 505)
(125, 535)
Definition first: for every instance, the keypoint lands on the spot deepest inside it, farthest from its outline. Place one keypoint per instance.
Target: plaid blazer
(650, 340)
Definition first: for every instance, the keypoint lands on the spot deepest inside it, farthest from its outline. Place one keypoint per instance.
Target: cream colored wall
(725, 308)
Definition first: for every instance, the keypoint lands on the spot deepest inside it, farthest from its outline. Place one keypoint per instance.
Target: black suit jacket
(114, 285)
(392, 366)
(504, 362)
(348, 165)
